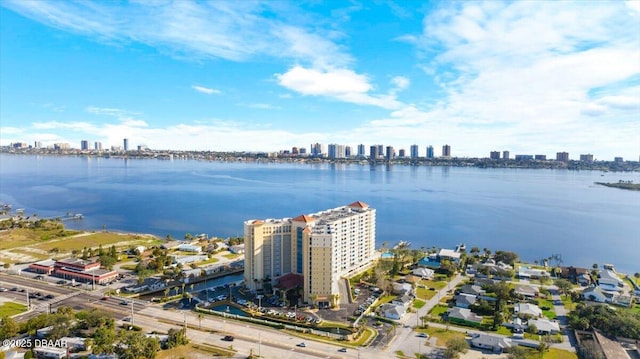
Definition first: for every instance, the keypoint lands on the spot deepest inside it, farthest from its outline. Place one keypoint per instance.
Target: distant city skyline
(341, 151)
(530, 78)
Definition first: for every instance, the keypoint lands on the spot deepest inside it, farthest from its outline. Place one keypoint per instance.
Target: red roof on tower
(358, 204)
(304, 218)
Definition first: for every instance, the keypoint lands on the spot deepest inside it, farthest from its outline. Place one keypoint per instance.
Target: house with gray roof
(495, 343)
(472, 289)
(545, 326)
(527, 309)
(463, 316)
(465, 300)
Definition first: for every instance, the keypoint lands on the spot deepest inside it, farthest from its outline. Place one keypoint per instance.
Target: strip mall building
(76, 269)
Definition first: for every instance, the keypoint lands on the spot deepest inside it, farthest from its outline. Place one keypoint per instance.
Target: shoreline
(262, 157)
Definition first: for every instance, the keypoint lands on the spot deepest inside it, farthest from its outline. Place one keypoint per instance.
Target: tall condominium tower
(315, 250)
(446, 151)
(494, 155)
(391, 153)
(414, 151)
(361, 152)
(126, 144)
(562, 156)
(430, 152)
(505, 155)
(84, 145)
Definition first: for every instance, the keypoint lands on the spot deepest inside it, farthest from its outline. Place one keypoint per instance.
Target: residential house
(170, 245)
(595, 294)
(404, 301)
(463, 316)
(465, 300)
(472, 289)
(424, 273)
(609, 280)
(576, 275)
(402, 288)
(190, 248)
(237, 249)
(545, 326)
(531, 273)
(495, 343)
(526, 291)
(392, 311)
(527, 309)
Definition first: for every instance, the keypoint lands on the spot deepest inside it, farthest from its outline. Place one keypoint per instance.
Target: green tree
(107, 261)
(104, 339)
(8, 328)
(564, 286)
(177, 337)
(455, 347)
(517, 352)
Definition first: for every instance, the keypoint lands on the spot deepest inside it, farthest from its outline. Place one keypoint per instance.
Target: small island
(622, 184)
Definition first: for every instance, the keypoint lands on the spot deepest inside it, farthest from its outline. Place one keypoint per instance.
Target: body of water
(535, 213)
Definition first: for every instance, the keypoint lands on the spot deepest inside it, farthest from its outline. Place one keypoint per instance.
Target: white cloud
(7, 130)
(342, 84)
(235, 31)
(263, 106)
(400, 83)
(206, 90)
(106, 111)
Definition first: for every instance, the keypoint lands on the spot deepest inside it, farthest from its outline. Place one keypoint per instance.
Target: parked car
(228, 338)
(302, 345)
(124, 302)
(342, 350)
(423, 335)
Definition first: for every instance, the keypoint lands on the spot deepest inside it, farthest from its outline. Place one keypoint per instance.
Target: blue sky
(528, 77)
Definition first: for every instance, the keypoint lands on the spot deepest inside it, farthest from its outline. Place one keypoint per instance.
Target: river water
(535, 213)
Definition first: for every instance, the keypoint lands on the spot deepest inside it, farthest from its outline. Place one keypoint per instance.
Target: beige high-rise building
(317, 250)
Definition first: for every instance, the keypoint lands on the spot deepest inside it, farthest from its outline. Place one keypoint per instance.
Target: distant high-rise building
(380, 151)
(401, 153)
(126, 144)
(540, 157)
(84, 145)
(562, 156)
(494, 155)
(361, 150)
(316, 150)
(505, 155)
(61, 146)
(303, 151)
(335, 151)
(524, 157)
(618, 159)
(37, 144)
(373, 152)
(586, 158)
(97, 146)
(446, 151)
(391, 153)
(347, 151)
(414, 151)
(294, 150)
(430, 152)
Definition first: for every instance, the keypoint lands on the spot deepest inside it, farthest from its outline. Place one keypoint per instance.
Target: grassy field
(194, 351)
(93, 240)
(24, 237)
(443, 335)
(232, 255)
(438, 310)
(559, 354)
(418, 303)
(551, 314)
(9, 308)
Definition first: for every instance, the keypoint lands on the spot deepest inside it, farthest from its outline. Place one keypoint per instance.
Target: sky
(530, 77)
